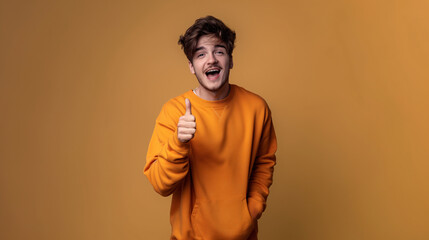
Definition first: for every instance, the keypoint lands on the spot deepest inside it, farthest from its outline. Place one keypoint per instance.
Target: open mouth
(212, 74)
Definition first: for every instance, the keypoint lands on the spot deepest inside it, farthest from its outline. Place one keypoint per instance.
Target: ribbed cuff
(178, 146)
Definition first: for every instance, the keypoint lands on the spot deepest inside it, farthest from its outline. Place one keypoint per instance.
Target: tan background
(81, 83)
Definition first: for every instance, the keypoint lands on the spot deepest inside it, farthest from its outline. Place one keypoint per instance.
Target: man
(213, 147)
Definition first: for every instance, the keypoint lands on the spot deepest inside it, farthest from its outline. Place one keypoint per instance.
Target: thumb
(188, 107)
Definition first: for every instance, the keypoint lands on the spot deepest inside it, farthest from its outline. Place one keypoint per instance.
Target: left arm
(263, 167)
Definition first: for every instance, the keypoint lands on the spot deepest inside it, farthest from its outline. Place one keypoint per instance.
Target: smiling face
(211, 64)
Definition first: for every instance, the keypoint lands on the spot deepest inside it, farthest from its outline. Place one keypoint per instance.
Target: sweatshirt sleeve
(262, 173)
(167, 160)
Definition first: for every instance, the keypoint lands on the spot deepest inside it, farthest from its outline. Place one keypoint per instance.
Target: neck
(213, 95)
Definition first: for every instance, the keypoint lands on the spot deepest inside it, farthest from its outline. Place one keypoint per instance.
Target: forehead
(209, 40)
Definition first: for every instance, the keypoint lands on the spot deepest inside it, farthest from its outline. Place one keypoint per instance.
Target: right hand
(186, 126)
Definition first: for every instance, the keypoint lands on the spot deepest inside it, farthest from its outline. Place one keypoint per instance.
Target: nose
(212, 58)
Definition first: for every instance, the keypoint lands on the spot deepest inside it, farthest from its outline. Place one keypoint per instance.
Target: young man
(213, 147)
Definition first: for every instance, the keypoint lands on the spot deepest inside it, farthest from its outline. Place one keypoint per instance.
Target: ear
(231, 63)
(191, 67)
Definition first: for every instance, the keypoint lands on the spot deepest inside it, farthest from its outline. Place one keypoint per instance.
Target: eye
(220, 53)
(200, 55)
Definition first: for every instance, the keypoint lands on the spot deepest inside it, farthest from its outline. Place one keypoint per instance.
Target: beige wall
(81, 83)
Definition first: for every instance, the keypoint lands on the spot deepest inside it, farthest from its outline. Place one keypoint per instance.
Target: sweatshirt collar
(206, 103)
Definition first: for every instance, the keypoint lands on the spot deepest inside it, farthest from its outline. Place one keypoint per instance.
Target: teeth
(211, 71)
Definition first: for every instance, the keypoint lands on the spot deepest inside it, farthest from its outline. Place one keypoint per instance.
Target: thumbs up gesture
(186, 126)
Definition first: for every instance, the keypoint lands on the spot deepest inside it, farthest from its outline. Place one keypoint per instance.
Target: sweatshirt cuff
(178, 146)
(257, 206)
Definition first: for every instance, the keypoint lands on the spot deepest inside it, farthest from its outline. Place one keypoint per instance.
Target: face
(211, 64)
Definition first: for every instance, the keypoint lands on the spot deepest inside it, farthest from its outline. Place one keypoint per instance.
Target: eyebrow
(221, 46)
(216, 46)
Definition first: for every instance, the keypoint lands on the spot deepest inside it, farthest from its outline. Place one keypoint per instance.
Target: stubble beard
(214, 89)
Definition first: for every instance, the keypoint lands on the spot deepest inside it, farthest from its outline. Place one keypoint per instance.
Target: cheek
(227, 63)
(198, 68)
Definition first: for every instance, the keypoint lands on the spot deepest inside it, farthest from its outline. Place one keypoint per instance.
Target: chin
(210, 85)
(214, 86)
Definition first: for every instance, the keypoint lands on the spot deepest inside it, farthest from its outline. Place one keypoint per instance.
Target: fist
(186, 126)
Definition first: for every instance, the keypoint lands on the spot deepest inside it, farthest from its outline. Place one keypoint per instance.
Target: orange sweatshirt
(223, 171)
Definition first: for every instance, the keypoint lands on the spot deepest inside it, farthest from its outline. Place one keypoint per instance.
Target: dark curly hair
(206, 26)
